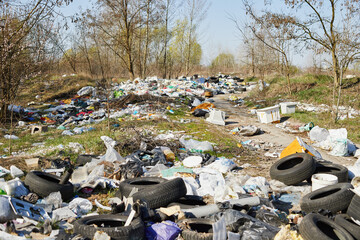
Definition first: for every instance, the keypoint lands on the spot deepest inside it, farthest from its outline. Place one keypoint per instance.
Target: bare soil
(240, 116)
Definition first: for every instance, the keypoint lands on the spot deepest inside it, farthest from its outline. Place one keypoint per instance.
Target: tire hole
(103, 223)
(327, 230)
(326, 169)
(49, 178)
(325, 194)
(290, 163)
(143, 183)
(201, 228)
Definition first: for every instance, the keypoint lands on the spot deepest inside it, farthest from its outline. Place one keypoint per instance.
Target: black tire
(334, 169)
(316, 226)
(200, 229)
(334, 198)
(88, 226)
(162, 194)
(188, 202)
(354, 208)
(142, 183)
(345, 221)
(43, 184)
(84, 158)
(293, 169)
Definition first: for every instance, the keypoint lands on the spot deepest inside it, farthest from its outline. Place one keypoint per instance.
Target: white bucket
(321, 180)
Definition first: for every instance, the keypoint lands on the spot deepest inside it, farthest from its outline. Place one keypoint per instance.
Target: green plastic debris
(2, 192)
(61, 128)
(171, 171)
(307, 127)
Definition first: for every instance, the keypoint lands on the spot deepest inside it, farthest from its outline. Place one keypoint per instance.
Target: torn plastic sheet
(248, 227)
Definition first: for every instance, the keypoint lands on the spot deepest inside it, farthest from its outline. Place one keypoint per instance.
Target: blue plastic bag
(166, 230)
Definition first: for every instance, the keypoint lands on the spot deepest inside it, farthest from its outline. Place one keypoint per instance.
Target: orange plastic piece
(297, 146)
(204, 106)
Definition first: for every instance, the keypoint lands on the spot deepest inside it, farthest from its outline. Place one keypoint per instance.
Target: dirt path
(239, 116)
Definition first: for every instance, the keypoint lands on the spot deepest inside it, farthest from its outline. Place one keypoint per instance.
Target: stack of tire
(155, 192)
(337, 198)
(298, 167)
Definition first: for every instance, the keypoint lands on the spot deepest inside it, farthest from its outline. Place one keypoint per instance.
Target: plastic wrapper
(6, 213)
(247, 226)
(166, 230)
(54, 199)
(80, 206)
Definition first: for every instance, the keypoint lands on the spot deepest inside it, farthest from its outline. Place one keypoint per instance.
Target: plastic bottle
(170, 156)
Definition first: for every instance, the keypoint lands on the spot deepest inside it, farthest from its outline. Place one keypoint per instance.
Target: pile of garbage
(166, 193)
(157, 195)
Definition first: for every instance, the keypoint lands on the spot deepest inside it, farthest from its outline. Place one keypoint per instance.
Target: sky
(217, 32)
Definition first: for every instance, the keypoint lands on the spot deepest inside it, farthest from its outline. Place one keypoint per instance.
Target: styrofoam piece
(288, 107)
(269, 114)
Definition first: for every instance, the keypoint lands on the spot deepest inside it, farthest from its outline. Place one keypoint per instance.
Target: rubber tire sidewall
(354, 208)
(342, 174)
(162, 194)
(43, 187)
(338, 201)
(125, 187)
(352, 228)
(296, 174)
(309, 230)
(135, 231)
(188, 234)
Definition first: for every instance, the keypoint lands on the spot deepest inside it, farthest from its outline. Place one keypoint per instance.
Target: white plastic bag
(54, 199)
(223, 165)
(111, 154)
(196, 145)
(80, 206)
(318, 134)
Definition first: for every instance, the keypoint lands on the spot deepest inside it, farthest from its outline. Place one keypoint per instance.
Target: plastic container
(269, 114)
(321, 180)
(288, 107)
(170, 156)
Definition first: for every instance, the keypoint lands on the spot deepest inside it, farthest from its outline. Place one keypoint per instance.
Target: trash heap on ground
(188, 193)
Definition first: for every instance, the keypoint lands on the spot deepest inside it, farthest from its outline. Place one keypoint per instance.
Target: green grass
(315, 89)
(325, 120)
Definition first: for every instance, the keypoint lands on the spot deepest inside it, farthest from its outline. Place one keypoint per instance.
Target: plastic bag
(340, 148)
(80, 206)
(54, 199)
(6, 212)
(194, 145)
(223, 165)
(16, 188)
(166, 230)
(247, 226)
(111, 154)
(318, 134)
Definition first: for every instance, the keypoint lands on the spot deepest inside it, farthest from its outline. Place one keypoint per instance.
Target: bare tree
(18, 21)
(277, 32)
(195, 13)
